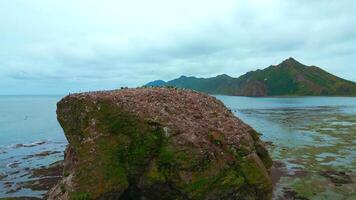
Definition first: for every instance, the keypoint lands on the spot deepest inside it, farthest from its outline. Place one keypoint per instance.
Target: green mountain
(289, 78)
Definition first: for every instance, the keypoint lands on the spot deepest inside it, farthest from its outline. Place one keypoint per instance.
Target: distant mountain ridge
(289, 78)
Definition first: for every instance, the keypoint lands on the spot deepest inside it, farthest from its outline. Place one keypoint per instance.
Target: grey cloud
(251, 36)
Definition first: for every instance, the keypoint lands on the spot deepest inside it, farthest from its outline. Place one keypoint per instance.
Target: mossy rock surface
(158, 143)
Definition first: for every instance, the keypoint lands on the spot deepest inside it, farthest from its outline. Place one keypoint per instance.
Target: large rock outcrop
(158, 143)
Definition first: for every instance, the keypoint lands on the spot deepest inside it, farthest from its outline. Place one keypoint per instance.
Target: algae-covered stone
(158, 143)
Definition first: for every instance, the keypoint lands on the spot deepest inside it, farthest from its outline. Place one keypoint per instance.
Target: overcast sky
(61, 46)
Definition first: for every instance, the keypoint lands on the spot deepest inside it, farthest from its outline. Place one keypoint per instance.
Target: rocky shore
(38, 180)
(158, 143)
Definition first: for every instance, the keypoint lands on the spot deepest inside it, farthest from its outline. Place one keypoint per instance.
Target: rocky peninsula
(158, 143)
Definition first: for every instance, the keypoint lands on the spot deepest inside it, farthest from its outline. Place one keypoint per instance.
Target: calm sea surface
(30, 138)
(314, 138)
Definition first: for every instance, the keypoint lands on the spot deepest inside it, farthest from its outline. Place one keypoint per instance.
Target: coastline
(258, 113)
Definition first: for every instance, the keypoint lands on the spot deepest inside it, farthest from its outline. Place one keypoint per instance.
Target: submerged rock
(158, 143)
(289, 194)
(337, 177)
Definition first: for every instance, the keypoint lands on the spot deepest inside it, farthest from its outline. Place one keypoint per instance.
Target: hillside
(289, 78)
(222, 84)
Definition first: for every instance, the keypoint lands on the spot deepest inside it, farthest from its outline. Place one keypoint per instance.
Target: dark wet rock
(13, 190)
(44, 178)
(13, 165)
(25, 174)
(41, 179)
(3, 176)
(158, 143)
(269, 143)
(54, 170)
(279, 164)
(41, 184)
(289, 194)
(42, 154)
(8, 184)
(337, 177)
(47, 153)
(15, 172)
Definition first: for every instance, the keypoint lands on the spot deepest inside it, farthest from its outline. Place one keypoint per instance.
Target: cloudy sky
(61, 46)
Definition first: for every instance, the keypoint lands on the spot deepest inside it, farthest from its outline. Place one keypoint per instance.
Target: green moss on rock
(119, 150)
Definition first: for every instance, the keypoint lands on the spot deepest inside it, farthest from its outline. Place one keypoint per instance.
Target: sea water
(313, 137)
(30, 138)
